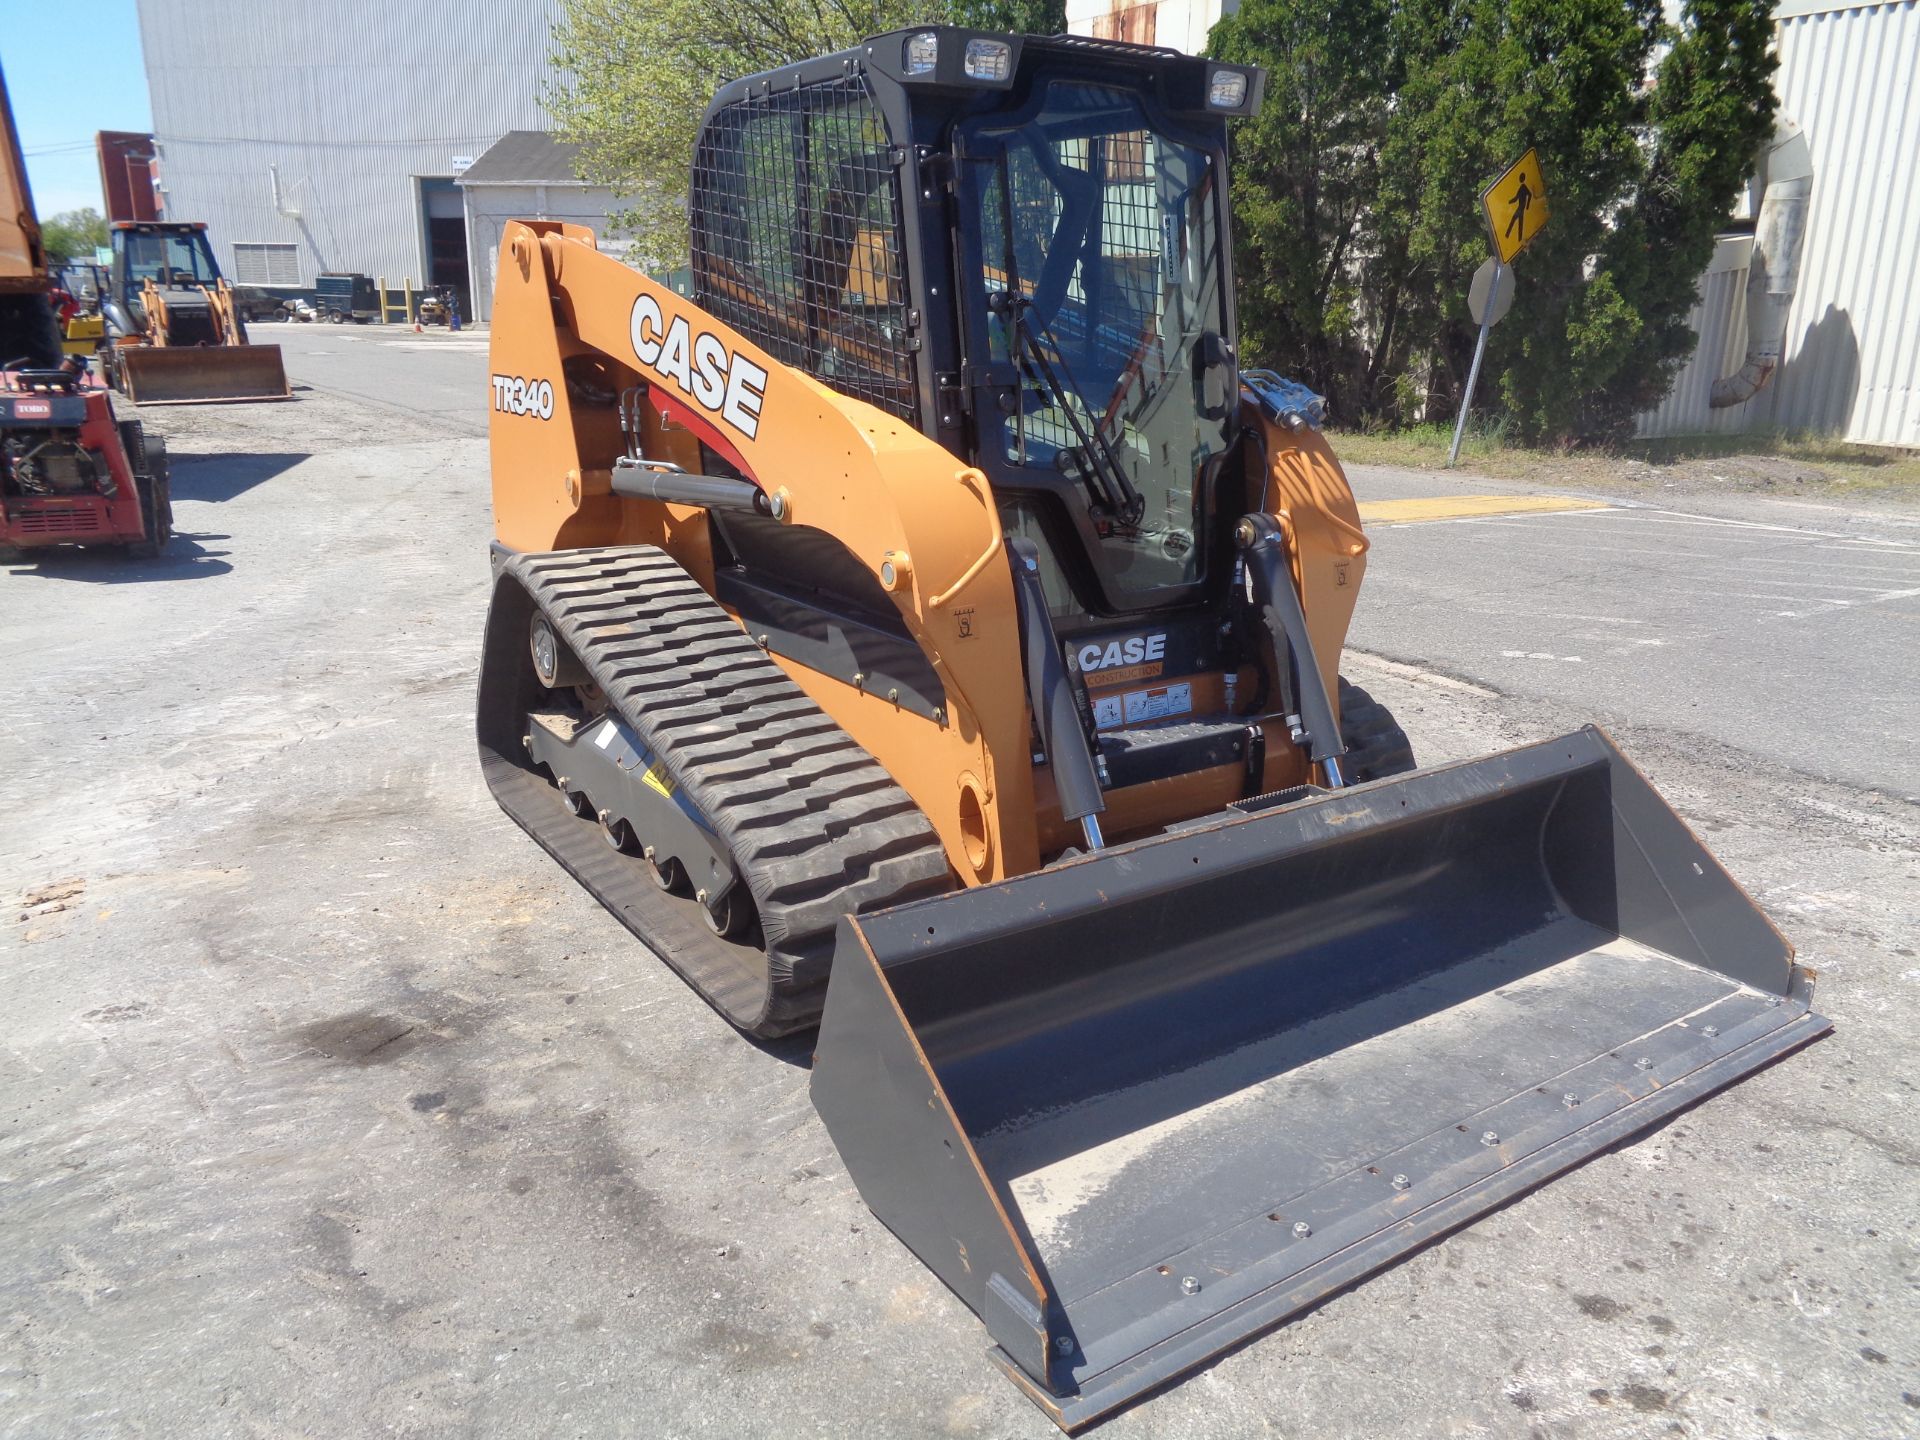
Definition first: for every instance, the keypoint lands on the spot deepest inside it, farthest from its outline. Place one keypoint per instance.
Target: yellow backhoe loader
(928, 621)
(175, 334)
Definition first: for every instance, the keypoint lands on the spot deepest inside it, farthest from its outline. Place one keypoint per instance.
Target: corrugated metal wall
(1720, 320)
(351, 100)
(1850, 76)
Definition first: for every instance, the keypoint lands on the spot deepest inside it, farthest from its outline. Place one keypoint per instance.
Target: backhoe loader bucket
(1141, 1106)
(188, 374)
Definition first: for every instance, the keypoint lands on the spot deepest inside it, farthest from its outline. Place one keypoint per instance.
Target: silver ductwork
(280, 206)
(1774, 269)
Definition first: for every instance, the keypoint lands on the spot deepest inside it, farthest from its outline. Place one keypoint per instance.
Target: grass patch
(1869, 466)
(1484, 450)
(1762, 460)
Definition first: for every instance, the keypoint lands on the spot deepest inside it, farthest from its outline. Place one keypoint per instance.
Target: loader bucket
(1142, 1106)
(183, 374)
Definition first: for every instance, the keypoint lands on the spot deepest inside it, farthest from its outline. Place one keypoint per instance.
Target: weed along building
(333, 137)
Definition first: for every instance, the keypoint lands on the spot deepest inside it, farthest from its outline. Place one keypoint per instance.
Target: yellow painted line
(1468, 507)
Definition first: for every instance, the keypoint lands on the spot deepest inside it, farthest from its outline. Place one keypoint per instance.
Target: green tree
(1307, 172)
(73, 235)
(1407, 111)
(637, 75)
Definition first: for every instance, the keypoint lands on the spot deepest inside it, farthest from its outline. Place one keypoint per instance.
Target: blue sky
(71, 70)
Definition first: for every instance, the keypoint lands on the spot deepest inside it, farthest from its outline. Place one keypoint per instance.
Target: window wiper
(1113, 493)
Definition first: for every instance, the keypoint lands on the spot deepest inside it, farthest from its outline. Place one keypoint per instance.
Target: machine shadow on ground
(794, 1050)
(186, 558)
(220, 477)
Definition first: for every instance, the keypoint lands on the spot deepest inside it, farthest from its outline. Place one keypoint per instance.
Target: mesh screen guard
(797, 240)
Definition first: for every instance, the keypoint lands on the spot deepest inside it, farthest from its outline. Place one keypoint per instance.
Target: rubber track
(1376, 745)
(816, 827)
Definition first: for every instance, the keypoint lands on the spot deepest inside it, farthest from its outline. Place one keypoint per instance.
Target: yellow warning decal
(658, 779)
(1467, 507)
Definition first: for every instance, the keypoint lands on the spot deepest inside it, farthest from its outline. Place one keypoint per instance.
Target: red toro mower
(70, 474)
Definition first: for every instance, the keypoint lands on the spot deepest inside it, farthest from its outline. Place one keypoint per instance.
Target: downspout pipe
(1774, 269)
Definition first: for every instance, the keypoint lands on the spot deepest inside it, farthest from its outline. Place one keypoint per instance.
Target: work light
(1228, 90)
(989, 60)
(922, 53)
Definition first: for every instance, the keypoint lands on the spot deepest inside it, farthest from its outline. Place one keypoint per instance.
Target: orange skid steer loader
(926, 632)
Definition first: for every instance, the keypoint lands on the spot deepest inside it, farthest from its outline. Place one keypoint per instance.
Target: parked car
(254, 303)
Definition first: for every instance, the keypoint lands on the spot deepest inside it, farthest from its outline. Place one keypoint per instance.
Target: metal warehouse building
(333, 136)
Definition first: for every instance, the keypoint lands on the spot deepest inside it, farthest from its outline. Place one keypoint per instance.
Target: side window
(796, 238)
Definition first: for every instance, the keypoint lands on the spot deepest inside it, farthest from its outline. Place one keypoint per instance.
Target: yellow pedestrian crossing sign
(1516, 206)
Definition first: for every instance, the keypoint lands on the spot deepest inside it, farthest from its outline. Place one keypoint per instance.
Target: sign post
(1479, 354)
(1519, 199)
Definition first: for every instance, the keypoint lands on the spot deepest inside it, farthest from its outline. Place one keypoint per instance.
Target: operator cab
(1017, 244)
(176, 257)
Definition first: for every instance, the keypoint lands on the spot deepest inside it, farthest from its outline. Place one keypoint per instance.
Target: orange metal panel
(880, 487)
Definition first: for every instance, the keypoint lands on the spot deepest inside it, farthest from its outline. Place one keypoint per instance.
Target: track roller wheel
(617, 833)
(732, 916)
(554, 665)
(578, 801)
(669, 875)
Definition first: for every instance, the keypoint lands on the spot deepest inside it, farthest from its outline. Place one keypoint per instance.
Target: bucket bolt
(1710, 1031)
(1189, 1285)
(1570, 1100)
(1489, 1137)
(1643, 1063)
(1301, 1230)
(1063, 1344)
(1401, 1182)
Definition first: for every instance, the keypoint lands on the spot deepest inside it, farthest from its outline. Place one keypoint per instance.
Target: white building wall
(350, 101)
(1850, 78)
(1850, 75)
(489, 207)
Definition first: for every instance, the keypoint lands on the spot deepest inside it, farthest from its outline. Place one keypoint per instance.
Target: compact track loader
(926, 620)
(175, 331)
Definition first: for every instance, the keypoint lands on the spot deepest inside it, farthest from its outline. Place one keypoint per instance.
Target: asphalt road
(1787, 630)
(330, 1107)
(433, 374)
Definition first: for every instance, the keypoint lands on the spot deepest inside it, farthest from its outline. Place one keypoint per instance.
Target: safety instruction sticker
(1137, 706)
(1158, 704)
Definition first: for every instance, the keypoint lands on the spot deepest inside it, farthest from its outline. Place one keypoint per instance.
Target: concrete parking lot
(331, 1107)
